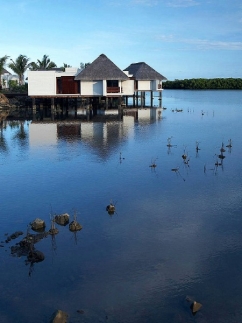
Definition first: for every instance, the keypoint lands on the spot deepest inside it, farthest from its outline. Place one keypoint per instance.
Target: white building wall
(128, 87)
(144, 85)
(92, 88)
(44, 82)
(156, 85)
(104, 87)
(41, 83)
(72, 70)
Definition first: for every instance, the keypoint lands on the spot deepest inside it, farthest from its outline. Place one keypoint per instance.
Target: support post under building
(160, 99)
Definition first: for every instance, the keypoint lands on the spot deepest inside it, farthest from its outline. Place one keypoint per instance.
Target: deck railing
(113, 89)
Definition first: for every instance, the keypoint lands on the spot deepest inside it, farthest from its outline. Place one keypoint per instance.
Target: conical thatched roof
(101, 69)
(143, 72)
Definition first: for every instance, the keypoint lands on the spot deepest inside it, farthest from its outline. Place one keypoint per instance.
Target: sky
(178, 38)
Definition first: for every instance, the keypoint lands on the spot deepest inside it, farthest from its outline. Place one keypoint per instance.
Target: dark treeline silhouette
(205, 84)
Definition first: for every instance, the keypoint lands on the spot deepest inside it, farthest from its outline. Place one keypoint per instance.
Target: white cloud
(182, 3)
(149, 3)
(170, 3)
(202, 44)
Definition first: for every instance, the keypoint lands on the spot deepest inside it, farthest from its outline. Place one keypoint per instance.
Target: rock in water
(75, 226)
(195, 307)
(38, 225)
(53, 231)
(3, 100)
(62, 219)
(110, 208)
(59, 317)
(35, 256)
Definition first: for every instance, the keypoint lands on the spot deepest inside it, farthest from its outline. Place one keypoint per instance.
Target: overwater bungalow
(100, 85)
(145, 79)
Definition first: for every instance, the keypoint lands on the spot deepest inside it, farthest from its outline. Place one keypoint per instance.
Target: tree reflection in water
(21, 135)
(3, 126)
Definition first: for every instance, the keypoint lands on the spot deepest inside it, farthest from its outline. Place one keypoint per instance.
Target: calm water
(175, 233)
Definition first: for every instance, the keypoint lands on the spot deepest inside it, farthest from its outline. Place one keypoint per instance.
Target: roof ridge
(100, 69)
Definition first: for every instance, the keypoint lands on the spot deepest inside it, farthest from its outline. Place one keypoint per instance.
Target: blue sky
(178, 38)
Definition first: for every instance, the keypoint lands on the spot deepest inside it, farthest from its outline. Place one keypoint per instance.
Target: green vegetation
(42, 64)
(65, 66)
(205, 84)
(84, 65)
(3, 61)
(19, 66)
(15, 88)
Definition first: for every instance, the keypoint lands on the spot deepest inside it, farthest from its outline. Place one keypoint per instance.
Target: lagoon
(176, 232)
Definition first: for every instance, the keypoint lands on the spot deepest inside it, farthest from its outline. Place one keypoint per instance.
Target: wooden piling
(151, 99)
(160, 99)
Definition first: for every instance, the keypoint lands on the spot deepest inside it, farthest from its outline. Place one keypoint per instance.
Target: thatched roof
(101, 69)
(5, 71)
(143, 72)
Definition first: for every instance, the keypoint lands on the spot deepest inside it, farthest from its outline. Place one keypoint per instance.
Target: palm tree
(2, 64)
(84, 65)
(64, 66)
(44, 64)
(20, 66)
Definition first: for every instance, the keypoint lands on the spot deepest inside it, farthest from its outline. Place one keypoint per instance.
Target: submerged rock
(13, 236)
(53, 231)
(34, 238)
(23, 247)
(35, 256)
(80, 311)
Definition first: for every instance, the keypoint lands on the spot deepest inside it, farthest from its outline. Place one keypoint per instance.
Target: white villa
(6, 77)
(101, 80)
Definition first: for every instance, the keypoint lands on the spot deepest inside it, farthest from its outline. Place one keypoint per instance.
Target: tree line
(23, 63)
(205, 84)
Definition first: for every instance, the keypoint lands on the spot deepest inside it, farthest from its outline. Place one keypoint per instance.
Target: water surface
(174, 234)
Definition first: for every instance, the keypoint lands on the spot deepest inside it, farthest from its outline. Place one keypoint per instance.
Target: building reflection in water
(102, 135)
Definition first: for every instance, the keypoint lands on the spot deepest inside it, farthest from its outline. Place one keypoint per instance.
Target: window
(112, 83)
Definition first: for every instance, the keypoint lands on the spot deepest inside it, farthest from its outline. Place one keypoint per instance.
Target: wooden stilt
(120, 109)
(160, 99)
(141, 99)
(34, 108)
(52, 109)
